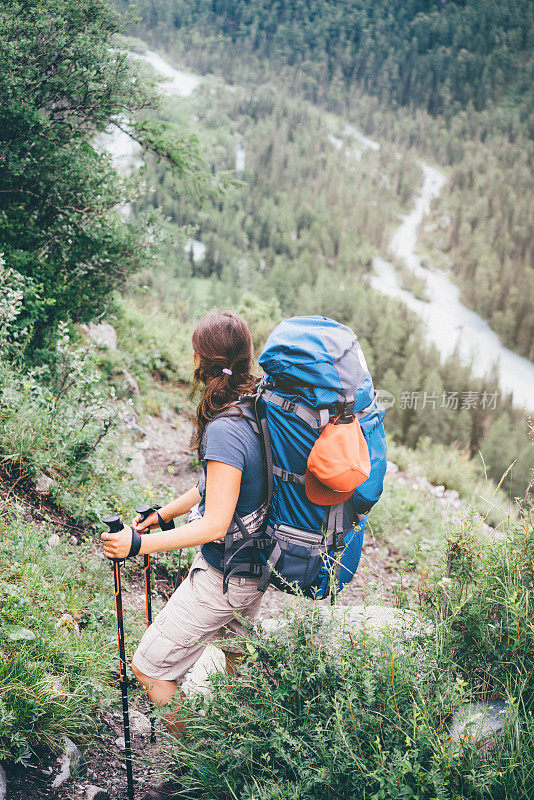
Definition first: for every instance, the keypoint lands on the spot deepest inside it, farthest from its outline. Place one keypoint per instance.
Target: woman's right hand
(150, 522)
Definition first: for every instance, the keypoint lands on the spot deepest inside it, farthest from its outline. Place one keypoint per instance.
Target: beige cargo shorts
(197, 612)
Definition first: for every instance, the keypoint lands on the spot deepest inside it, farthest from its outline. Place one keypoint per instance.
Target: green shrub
(67, 427)
(483, 594)
(57, 639)
(60, 225)
(369, 719)
(313, 716)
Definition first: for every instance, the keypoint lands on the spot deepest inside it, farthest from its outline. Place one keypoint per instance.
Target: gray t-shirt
(233, 441)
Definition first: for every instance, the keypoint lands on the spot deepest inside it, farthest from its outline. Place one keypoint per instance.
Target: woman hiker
(233, 479)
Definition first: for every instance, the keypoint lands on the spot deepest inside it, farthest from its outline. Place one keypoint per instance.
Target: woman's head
(223, 350)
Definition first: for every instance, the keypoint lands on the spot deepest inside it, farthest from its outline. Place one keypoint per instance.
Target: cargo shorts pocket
(240, 596)
(201, 572)
(157, 649)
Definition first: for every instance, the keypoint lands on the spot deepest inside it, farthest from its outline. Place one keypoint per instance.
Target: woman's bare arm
(222, 492)
(175, 508)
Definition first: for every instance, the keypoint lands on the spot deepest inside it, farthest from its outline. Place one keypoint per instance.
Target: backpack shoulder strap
(243, 407)
(246, 407)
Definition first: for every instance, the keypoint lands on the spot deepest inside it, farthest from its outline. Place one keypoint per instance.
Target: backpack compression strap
(314, 417)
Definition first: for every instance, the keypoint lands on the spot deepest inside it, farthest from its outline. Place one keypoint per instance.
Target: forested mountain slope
(438, 54)
(453, 79)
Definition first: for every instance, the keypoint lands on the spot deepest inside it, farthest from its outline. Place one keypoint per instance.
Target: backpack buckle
(347, 410)
(339, 540)
(287, 405)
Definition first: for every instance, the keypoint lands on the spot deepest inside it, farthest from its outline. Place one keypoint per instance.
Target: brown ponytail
(221, 341)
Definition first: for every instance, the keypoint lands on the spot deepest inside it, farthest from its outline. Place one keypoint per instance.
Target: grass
(449, 467)
(408, 520)
(69, 430)
(57, 642)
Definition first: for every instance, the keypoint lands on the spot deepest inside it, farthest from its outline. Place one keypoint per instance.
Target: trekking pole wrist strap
(135, 545)
(165, 526)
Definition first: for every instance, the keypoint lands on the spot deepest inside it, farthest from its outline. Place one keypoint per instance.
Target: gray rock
(66, 620)
(43, 483)
(347, 621)
(71, 762)
(392, 468)
(379, 618)
(439, 491)
(77, 761)
(137, 466)
(102, 334)
(481, 723)
(166, 415)
(451, 495)
(352, 619)
(137, 430)
(53, 540)
(96, 793)
(3, 783)
(139, 723)
(119, 741)
(130, 384)
(272, 624)
(64, 772)
(494, 533)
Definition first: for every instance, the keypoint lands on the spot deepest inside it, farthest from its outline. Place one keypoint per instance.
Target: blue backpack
(315, 370)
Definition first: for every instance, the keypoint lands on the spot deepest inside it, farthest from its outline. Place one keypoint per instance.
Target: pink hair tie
(227, 371)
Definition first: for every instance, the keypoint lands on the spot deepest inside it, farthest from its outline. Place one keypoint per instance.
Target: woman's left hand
(117, 545)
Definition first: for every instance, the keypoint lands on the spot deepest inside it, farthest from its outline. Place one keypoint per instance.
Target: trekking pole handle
(145, 511)
(115, 524)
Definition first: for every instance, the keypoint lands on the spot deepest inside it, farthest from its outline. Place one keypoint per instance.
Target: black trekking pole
(115, 525)
(144, 512)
